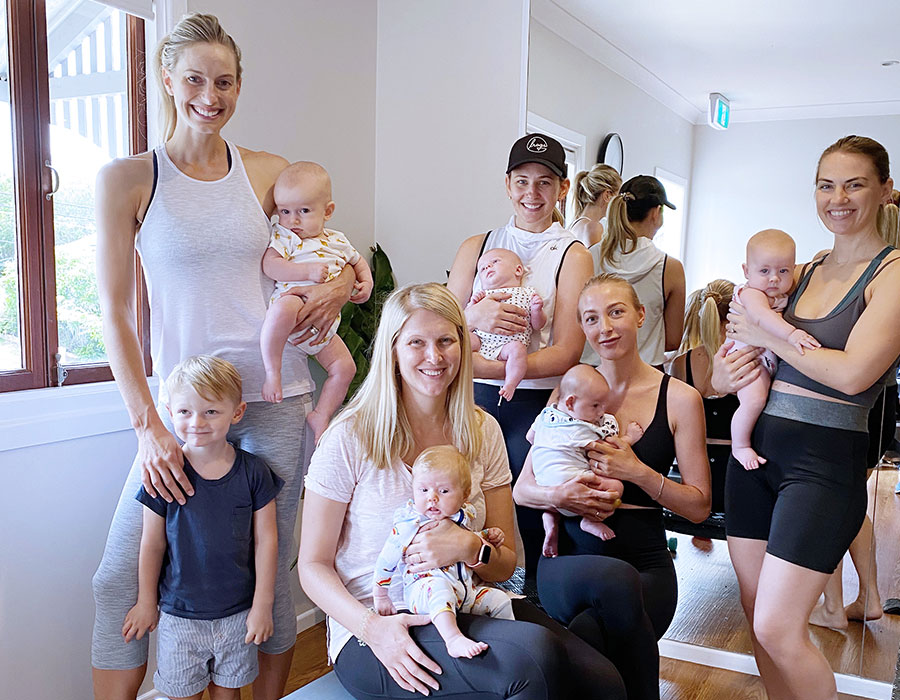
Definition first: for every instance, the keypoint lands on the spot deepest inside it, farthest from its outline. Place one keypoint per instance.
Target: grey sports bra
(833, 330)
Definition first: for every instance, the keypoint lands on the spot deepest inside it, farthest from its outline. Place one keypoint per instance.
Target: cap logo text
(536, 144)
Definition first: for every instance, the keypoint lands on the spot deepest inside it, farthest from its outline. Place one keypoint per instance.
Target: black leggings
(618, 595)
(530, 658)
(515, 418)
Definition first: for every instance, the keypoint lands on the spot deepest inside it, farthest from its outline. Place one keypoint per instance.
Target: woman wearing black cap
(635, 215)
(557, 267)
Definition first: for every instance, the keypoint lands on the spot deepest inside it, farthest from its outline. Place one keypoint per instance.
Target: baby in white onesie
(303, 252)
(501, 272)
(770, 277)
(441, 484)
(562, 431)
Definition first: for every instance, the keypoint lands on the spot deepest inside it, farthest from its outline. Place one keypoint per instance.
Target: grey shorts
(191, 653)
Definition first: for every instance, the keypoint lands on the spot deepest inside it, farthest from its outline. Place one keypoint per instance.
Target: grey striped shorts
(191, 653)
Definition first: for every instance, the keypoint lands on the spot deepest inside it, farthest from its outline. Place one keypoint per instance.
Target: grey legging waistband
(805, 409)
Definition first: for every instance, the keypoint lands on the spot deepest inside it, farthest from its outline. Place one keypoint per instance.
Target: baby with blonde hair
(441, 484)
(770, 278)
(303, 252)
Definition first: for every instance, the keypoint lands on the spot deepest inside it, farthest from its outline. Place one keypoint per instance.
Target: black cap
(647, 187)
(538, 148)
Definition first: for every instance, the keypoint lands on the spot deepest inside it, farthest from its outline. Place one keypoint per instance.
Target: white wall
(450, 103)
(568, 87)
(760, 175)
(308, 93)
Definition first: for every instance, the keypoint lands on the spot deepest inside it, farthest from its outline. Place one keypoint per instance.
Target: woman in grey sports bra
(172, 204)
(790, 522)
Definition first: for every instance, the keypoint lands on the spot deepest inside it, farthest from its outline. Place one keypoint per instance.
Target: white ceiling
(773, 59)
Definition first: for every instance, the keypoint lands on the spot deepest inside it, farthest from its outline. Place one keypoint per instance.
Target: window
(670, 238)
(572, 142)
(71, 99)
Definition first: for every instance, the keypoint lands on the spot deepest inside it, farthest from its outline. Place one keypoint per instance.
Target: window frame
(35, 240)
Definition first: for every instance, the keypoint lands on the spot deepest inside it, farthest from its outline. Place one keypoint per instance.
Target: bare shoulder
(578, 255)
(683, 398)
(262, 163)
(887, 279)
(123, 174)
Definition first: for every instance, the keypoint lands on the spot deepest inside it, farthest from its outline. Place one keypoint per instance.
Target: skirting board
(305, 620)
(744, 663)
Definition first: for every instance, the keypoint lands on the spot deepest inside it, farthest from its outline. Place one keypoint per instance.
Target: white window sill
(41, 416)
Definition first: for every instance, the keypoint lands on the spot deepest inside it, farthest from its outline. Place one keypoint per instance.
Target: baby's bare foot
(271, 390)
(463, 646)
(597, 529)
(748, 457)
(551, 545)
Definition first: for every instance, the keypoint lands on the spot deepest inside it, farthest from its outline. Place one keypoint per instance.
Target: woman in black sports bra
(621, 598)
(790, 522)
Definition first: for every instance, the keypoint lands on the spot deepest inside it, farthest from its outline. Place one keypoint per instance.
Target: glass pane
(86, 52)
(10, 313)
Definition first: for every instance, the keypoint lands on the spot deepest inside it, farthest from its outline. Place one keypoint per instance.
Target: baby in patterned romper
(770, 277)
(562, 431)
(303, 252)
(501, 272)
(441, 484)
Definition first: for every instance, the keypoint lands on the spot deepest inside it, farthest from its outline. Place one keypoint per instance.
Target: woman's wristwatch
(484, 554)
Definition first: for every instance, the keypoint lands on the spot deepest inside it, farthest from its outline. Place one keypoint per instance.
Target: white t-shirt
(338, 471)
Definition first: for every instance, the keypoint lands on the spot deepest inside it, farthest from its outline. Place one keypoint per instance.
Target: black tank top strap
(688, 372)
(884, 253)
(662, 411)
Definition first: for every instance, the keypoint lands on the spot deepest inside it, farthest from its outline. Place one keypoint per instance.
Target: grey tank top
(832, 332)
(201, 246)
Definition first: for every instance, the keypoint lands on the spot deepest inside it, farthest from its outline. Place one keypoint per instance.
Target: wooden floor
(709, 612)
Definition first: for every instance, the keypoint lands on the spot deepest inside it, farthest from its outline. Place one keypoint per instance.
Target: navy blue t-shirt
(208, 568)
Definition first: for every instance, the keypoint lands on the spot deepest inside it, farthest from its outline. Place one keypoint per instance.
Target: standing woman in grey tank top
(197, 211)
(790, 522)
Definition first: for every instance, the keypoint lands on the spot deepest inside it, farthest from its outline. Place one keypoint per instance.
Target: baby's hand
(494, 536)
(633, 433)
(140, 620)
(361, 291)
(537, 304)
(259, 624)
(314, 271)
(801, 339)
(382, 603)
(476, 297)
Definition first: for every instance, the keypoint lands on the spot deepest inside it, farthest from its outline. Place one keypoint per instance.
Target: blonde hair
(192, 29)
(590, 184)
(376, 412)
(610, 278)
(445, 459)
(210, 376)
(558, 218)
(706, 312)
(889, 226)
